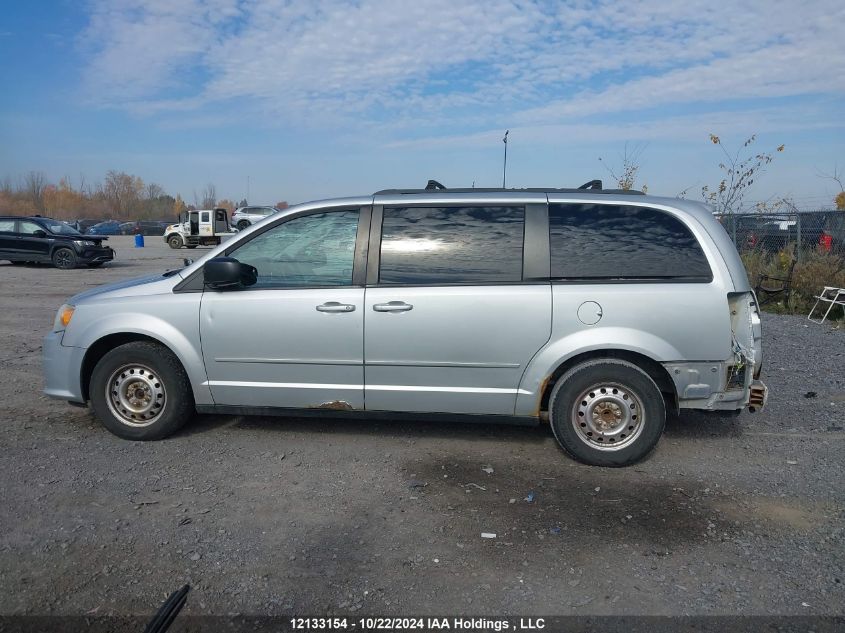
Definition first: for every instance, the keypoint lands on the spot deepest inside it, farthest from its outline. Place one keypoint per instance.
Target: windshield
(60, 228)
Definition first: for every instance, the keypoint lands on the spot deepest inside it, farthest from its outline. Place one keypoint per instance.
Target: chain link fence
(799, 232)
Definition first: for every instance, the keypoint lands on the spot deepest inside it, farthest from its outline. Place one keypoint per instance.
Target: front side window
(305, 252)
(60, 228)
(610, 242)
(451, 245)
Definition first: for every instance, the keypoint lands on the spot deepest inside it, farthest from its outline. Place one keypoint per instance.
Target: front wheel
(64, 258)
(140, 391)
(174, 241)
(607, 412)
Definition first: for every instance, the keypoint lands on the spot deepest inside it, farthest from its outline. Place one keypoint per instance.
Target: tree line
(120, 196)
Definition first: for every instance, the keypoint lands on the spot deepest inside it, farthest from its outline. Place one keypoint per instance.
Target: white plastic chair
(832, 295)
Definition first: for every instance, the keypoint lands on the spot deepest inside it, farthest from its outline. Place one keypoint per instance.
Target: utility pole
(247, 189)
(505, 166)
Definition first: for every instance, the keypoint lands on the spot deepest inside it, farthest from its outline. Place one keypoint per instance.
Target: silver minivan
(594, 311)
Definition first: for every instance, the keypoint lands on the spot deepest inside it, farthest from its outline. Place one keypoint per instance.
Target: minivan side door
(453, 313)
(295, 338)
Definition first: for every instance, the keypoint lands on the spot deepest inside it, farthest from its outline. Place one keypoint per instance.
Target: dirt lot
(270, 516)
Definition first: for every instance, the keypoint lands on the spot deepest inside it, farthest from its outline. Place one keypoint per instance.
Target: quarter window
(607, 241)
(444, 245)
(305, 252)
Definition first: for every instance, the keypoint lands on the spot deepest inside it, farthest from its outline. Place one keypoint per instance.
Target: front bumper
(62, 369)
(95, 255)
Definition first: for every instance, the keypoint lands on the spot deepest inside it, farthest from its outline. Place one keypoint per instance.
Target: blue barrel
(139, 241)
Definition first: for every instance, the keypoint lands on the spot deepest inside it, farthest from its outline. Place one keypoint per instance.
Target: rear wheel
(175, 241)
(243, 224)
(140, 391)
(64, 258)
(607, 412)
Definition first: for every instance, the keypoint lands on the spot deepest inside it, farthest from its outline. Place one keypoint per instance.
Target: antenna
(505, 166)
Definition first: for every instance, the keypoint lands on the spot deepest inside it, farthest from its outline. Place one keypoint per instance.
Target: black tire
(191, 246)
(243, 224)
(175, 241)
(95, 264)
(609, 399)
(135, 374)
(16, 263)
(64, 258)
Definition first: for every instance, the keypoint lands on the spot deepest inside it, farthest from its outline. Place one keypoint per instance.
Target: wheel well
(103, 347)
(655, 370)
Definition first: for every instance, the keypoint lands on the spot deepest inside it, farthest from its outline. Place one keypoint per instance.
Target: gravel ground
(730, 515)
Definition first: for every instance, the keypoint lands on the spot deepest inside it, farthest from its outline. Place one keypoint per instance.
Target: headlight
(84, 243)
(63, 317)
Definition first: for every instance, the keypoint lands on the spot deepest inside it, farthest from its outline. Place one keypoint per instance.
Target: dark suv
(44, 240)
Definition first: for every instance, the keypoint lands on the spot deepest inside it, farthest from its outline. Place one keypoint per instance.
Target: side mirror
(227, 273)
(39, 233)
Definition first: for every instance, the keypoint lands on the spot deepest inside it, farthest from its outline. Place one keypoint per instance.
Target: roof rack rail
(433, 186)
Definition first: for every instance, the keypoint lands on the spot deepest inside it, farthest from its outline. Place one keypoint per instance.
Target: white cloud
(467, 65)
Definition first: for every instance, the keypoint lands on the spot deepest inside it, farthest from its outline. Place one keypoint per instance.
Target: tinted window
(442, 245)
(29, 228)
(60, 228)
(205, 216)
(309, 251)
(602, 241)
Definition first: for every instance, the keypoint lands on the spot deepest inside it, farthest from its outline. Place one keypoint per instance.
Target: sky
(305, 99)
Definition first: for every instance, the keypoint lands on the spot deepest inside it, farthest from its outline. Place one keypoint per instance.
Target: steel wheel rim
(608, 416)
(63, 258)
(136, 395)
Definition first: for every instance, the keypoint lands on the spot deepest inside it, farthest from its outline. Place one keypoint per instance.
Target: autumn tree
(836, 176)
(225, 204)
(124, 192)
(740, 170)
(62, 201)
(179, 205)
(625, 176)
(207, 198)
(33, 186)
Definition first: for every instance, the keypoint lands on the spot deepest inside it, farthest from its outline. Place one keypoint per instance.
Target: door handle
(334, 306)
(393, 306)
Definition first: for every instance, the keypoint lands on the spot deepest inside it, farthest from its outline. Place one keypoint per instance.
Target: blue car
(110, 227)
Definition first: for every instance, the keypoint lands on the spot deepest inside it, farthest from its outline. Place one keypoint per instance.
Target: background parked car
(143, 227)
(109, 227)
(44, 240)
(83, 224)
(246, 216)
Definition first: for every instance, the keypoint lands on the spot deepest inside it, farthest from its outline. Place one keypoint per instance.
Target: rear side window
(7, 226)
(605, 241)
(451, 245)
